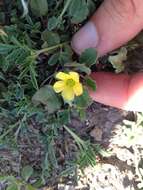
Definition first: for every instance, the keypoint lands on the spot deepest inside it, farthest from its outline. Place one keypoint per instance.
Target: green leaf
(53, 59)
(2, 76)
(64, 58)
(83, 69)
(91, 83)
(52, 155)
(4, 64)
(51, 38)
(86, 156)
(17, 56)
(47, 97)
(45, 168)
(39, 8)
(30, 187)
(23, 73)
(78, 10)
(8, 178)
(27, 172)
(82, 113)
(12, 187)
(6, 48)
(33, 76)
(84, 100)
(13, 55)
(53, 22)
(80, 67)
(38, 183)
(67, 49)
(89, 57)
(91, 6)
(63, 117)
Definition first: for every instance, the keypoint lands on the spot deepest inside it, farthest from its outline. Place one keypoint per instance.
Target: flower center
(70, 82)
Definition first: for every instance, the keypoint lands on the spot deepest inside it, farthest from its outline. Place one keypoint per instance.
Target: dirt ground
(115, 171)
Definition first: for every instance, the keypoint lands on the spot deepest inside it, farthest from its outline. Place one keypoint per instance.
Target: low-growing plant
(41, 78)
(13, 183)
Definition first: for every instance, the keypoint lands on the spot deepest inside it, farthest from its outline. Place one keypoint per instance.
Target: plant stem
(78, 140)
(65, 8)
(12, 127)
(2, 100)
(9, 130)
(50, 48)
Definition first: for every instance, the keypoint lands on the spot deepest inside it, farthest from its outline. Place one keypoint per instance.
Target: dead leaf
(117, 61)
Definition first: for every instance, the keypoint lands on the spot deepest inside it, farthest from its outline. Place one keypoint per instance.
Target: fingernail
(86, 37)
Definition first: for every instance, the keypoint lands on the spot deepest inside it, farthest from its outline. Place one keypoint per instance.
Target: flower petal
(75, 76)
(78, 89)
(59, 86)
(68, 94)
(62, 76)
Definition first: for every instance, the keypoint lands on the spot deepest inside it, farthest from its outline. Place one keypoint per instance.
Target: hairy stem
(50, 48)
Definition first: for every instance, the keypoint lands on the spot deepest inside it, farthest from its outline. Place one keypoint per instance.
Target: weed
(34, 48)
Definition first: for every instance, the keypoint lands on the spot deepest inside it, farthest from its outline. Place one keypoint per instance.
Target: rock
(96, 133)
(65, 187)
(114, 116)
(124, 154)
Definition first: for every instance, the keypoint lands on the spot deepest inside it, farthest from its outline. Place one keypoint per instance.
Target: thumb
(114, 23)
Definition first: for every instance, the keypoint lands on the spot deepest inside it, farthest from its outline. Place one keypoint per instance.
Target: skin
(117, 22)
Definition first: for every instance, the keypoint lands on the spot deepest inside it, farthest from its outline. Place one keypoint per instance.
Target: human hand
(114, 23)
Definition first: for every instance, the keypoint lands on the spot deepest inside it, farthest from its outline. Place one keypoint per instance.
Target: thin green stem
(2, 100)
(50, 48)
(65, 8)
(78, 140)
(9, 130)
(12, 127)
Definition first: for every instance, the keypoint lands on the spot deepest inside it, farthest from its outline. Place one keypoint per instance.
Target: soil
(113, 172)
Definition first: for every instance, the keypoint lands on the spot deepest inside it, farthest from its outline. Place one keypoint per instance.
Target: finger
(121, 91)
(114, 23)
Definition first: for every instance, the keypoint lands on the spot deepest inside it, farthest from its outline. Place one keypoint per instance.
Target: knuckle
(121, 9)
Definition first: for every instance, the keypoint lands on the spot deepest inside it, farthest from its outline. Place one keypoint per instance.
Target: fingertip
(110, 27)
(86, 37)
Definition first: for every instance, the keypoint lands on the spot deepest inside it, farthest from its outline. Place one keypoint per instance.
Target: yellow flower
(68, 85)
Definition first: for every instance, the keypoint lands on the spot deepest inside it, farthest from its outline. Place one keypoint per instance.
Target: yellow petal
(75, 76)
(59, 86)
(68, 94)
(78, 89)
(62, 76)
